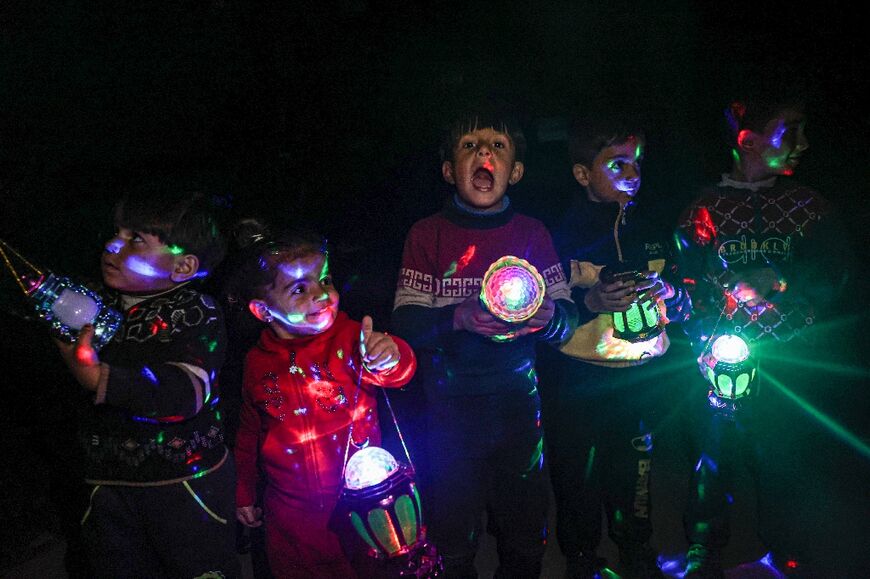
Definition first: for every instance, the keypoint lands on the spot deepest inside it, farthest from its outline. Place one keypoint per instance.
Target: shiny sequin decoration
(328, 395)
(294, 369)
(274, 398)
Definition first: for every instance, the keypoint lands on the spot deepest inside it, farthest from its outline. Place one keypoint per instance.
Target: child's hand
(250, 516)
(541, 318)
(755, 285)
(612, 297)
(379, 352)
(469, 316)
(81, 359)
(653, 288)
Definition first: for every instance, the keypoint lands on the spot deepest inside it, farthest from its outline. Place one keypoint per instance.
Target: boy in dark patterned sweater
(766, 256)
(162, 477)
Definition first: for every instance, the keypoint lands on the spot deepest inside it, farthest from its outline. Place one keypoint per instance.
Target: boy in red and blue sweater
(484, 439)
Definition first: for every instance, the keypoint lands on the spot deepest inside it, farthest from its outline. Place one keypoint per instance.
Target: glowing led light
(730, 349)
(729, 368)
(67, 306)
(368, 467)
(513, 290)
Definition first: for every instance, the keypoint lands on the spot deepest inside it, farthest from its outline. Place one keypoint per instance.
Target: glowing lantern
(382, 504)
(730, 369)
(512, 291)
(642, 321)
(63, 304)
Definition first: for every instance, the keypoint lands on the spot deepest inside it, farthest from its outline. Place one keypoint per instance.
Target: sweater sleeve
(398, 375)
(415, 317)
(179, 382)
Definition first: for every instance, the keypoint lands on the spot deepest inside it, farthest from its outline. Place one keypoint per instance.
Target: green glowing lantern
(643, 320)
(729, 368)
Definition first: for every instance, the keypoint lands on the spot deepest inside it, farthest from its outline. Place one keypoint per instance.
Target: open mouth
(483, 179)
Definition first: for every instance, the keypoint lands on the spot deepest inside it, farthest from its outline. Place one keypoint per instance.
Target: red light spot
(791, 564)
(730, 303)
(466, 257)
(703, 226)
(171, 418)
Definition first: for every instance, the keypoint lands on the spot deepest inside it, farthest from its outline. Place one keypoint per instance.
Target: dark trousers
(773, 450)
(598, 422)
(485, 455)
(164, 531)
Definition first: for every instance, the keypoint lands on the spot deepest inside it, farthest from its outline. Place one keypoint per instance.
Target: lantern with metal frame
(730, 369)
(64, 305)
(643, 320)
(381, 503)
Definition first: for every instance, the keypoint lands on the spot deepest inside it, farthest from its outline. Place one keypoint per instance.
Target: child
(605, 388)
(767, 256)
(301, 398)
(162, 479)
(484, 434)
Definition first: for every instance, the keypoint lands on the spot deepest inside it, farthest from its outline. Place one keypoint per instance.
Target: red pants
(300, 545)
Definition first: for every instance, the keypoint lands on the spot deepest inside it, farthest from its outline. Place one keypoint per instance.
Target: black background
(327, 114)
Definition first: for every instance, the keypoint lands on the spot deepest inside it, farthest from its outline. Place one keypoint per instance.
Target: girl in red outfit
(300, 397)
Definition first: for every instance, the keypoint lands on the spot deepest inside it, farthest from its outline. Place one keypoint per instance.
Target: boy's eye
(498, 145)
(614, 166)
(467, 145)
(326, 280)
(298, 289)
(136, 238)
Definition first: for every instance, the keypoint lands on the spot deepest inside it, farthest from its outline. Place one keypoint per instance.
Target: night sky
(328, 114)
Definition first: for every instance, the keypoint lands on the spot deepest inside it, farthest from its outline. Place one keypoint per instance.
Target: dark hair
(483, 118)
(588, 135)
(257, 254)
(757, 103)
(755, 114)
(184, 219)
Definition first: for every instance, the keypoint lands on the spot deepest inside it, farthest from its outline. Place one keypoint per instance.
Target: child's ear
(447, 172)
(186, 268)
(516, 173)
(260, 310)
(581, 174)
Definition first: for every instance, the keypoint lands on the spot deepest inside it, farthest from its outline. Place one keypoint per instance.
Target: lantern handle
(352, 411)
(11, 267)
(398, 430)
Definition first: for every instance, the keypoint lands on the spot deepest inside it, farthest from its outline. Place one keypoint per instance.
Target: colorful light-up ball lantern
(730, 369)
(643, 320)
(67, 307)
(382, 504)
(512, 291)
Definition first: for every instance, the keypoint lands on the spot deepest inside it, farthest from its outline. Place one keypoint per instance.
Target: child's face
(139, 263)
(302, 301)
(482, 168)
(777, 150)
(615, 173)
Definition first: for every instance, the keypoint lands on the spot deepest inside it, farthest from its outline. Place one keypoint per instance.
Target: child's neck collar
(462, 206)
(728, 181)
(130, 300)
